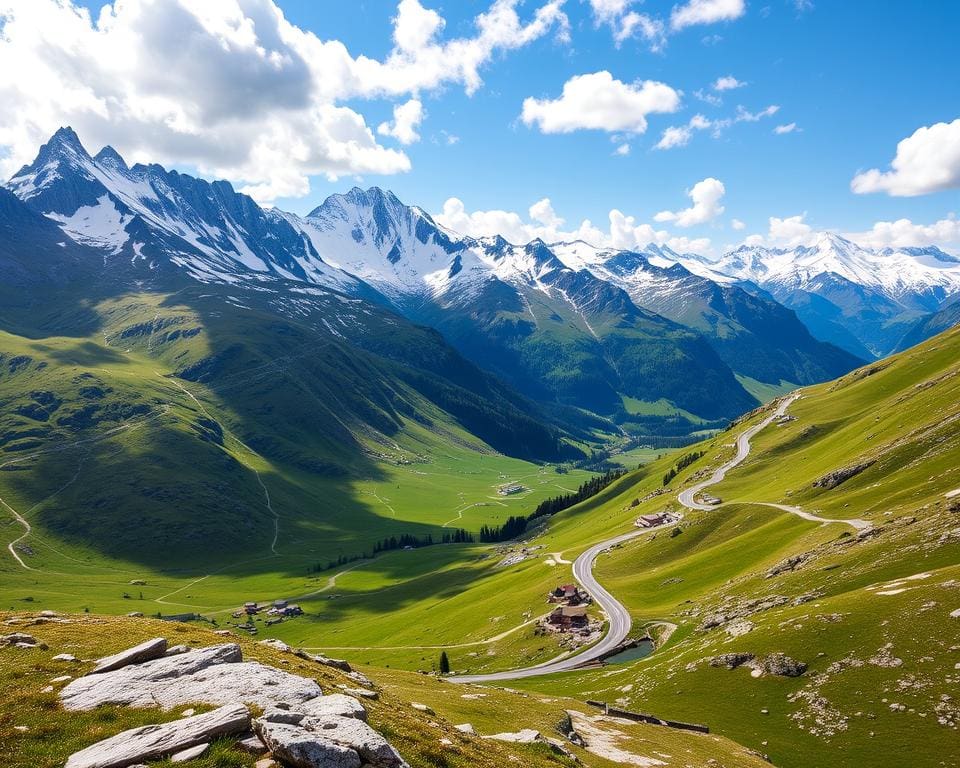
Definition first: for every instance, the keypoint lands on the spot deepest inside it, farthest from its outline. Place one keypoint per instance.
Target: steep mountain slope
(167, 220)
(840, 289)
(755, 336)
(101, 379)
(595, 347)
(556, 334)
(931, 325)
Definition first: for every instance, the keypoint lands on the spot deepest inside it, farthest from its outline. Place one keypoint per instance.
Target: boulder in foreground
(154, 741)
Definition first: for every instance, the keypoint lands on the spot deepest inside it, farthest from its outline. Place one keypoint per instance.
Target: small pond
(639, 651)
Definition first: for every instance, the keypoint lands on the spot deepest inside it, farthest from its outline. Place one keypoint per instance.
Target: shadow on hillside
(173, 490)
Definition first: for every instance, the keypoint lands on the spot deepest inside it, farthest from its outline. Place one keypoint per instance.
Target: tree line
(456, 536)
(684, 462)
(453, 536)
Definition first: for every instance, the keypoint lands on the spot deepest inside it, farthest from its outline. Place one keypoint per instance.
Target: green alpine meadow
(549, 383)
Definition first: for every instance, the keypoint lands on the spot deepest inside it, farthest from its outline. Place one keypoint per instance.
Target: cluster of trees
(342, 560)
(516, 525)
(453, 536)
(591, 487)
(512, 527)
(685, 461)
(456, 536)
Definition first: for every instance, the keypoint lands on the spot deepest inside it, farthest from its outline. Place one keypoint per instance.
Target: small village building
(509, 489)
(251, 608)
(280, 604)
(650, 521)
(567, 617)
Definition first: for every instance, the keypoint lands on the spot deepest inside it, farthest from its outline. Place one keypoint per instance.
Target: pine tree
(444, 663)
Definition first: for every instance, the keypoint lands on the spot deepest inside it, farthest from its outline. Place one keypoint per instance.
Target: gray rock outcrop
(154, 741)
(731, 660)
(214, 675)
(318, 742)
(298, 747)
(783, 665)
(302, 727)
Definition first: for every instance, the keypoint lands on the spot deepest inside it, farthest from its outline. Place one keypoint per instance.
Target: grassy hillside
(219, 451)
(36, 733)
(871, 614)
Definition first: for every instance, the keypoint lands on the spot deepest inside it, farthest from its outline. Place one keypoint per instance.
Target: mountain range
(863, 300)
(651, 342)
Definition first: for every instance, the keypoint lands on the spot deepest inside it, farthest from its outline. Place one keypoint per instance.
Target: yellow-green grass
(765, 391)
(52, 734)
(423, 482)
(871, 616)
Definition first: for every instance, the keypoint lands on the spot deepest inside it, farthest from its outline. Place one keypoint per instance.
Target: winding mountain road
(617, 614)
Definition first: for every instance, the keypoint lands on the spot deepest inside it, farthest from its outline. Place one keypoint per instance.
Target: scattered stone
(833, 479)
(190, 753)
(49, 614)
(267, 762)
(151, 649)
(738, 628)
(363, 693)
(188, 712)
(466, 728)
(277, 645)
(61, 679)
(19, 640)
(525, 736)
(223, 632)
(153, 741)
(21, 728)
(782, 665)
(790, 564)
(884, 658)
(135, 615)
(731, 660)
(47, 689)
(340, 664)
(955, 614)
(65, 657)
(252, 743)
(138, 582)
(422, 708)
(176, 649)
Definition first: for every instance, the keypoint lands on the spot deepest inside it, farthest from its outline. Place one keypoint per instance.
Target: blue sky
(854, 78)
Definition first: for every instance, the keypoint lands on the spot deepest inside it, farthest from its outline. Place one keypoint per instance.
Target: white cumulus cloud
(680, 135)
(904, 233)
(705, 196)
(599, 101)
(705, 12)
(232, 87)
(542, 221)
(727, 83)
(927, 161)
(406, 119)
(787, 128)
